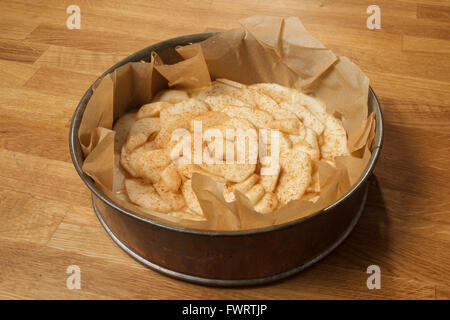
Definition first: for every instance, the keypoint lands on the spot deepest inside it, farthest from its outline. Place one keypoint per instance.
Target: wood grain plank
(28, 217)
(20, 171)
(46, 279)
(435, 13)
(429, 93)
(398, 258)
(20, 51)
(426, 45)
(15, 26)
(27, 15)
(90, 241)
(442, 293)
(36, 122)
(78, 195)
(15, 74)
(49, 141)
(42, 276)
(394, 239)
(60, 82)
(77, 60)
(429, 2)
(81, 216)
(37, 106)
(351, 283)
(425, 114)
(82, 39)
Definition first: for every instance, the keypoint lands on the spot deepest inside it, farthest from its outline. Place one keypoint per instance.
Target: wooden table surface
(47, 222)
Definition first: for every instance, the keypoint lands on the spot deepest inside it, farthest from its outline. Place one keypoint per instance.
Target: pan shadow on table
(385, 235)
(367, 244)
(395, 203)
(370, 235)
(345, 267)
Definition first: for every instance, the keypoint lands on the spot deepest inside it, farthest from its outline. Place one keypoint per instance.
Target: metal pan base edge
(237, 282)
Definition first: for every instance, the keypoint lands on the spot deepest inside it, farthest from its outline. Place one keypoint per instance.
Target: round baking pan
(226, 258)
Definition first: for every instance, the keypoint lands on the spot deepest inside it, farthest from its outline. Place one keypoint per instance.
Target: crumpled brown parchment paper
(263, 49)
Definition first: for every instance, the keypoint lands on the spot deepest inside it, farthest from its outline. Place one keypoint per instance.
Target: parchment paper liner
(264, 49)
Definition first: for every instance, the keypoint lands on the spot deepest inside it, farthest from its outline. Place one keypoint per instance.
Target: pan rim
(74, 144)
